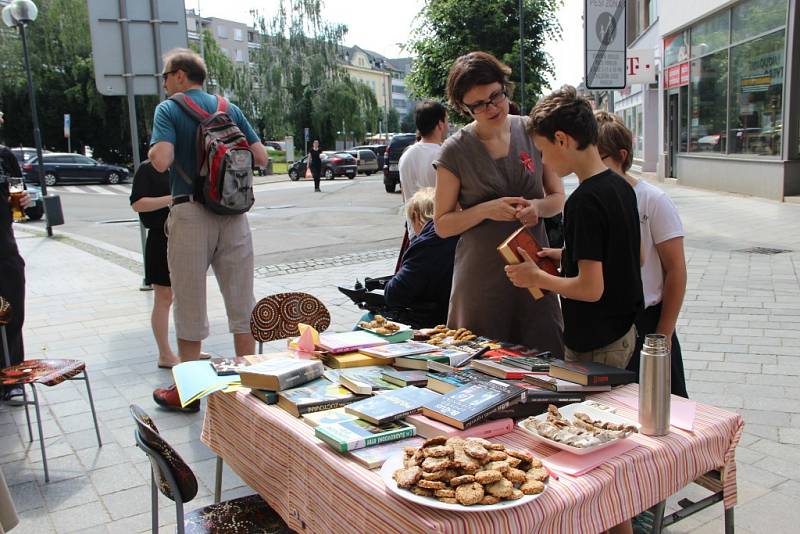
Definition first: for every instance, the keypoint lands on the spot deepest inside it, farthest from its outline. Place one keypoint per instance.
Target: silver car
(367, 160)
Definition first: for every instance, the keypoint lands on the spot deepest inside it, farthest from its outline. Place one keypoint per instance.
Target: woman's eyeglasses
(494, 99)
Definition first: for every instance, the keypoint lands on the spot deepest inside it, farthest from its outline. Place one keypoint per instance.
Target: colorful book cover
(280, 373)
(327, 417)
(349, 341)
(430, 428)
(232, 365)
(375, 456)
(357, 434)
(396, 350)
(361, 380)
(473, 403)
(392, 405)
(406, 378)
(315, 396)
(352, 359)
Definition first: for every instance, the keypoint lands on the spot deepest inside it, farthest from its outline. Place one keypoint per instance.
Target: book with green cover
(357, 434)
(392, 405)
(316, 396)
(265, 395)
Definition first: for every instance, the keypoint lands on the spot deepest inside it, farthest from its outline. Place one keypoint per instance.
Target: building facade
(234, 39)
(729, 97)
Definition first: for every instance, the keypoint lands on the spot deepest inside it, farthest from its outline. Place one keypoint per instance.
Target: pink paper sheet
(575, 465)
(681, 411)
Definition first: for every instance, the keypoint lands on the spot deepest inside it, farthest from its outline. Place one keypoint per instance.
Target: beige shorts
(616, 354)
(197, 239)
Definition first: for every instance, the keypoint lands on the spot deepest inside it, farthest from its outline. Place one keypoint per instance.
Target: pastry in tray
(471, 471)
(581, 432)
(380, 325)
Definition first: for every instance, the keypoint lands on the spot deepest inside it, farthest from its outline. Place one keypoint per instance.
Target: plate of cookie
(465, 475)
(382, 326)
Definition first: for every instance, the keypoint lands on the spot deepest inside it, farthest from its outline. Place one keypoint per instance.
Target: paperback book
(450, 357)
(430, 428)
(362, 380)
(340, 342)
(351, 359)
(396, 350)
(562, 386)
(472, 404)
(232, 366)
(406, 378)
(392, 405)
(357, 434)
(327, 417)
(280, 373)
(500, 370)
(447, 382)
(375, 456)
(316, 396)
(265, 395)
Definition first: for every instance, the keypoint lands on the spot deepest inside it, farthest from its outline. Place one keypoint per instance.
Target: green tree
(221, 70)
(63, 75)
(392, 120)
(447, 29)
(409, 122)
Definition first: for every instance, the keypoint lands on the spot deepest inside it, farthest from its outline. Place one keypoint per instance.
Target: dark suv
(391, 174)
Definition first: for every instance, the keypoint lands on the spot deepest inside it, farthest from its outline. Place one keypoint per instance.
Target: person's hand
(502, 209)
(525, 274)
(25, 200)
(528, 214)
(552, 253)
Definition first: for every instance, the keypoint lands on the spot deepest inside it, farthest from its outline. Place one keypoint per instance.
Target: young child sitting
(600, 283)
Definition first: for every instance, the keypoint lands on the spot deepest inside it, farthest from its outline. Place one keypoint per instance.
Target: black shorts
(156, 270)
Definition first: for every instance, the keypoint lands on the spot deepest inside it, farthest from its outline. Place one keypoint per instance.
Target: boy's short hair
(613, 136)
(470, 70)
(188, 61)
(563, 110)
(427, 114)
(420, 206)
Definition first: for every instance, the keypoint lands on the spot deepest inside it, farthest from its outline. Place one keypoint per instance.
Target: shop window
(709, 88)
(676, 48)
(711, 34)
(683, 124)
(757, 71)
(754, 17)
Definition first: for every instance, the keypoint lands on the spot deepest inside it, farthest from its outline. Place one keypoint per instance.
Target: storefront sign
(685, 73)
(604, 26)
(677, 76)
(641, 66)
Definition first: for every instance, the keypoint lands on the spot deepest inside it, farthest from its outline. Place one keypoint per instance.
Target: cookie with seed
(449, 493)
(448, 500)
(495, 447)
(518, 476)
(469, 494)
(532, 487)
(489, 499)
(435, 464)
(496, 456)
(422, 492)
(502, 466)
(503, 488)
(522, 455)
(438, 440)
(479, 441)
(537, 473)
(407, 476)
(536, 462)
(516, 494)
(463, 479)
(487, 477)
(444, 474)
(437, 451)
(431, 484)
(476, 451)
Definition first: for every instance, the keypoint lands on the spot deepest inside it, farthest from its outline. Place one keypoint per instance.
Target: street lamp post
(18, 15)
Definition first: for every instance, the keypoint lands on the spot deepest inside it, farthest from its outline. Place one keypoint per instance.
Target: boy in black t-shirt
(600, 283)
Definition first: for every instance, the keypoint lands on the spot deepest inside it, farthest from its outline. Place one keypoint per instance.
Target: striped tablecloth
(316, 489)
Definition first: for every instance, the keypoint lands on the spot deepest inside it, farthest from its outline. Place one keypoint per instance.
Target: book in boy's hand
(392, 405)
(280, 373)
(471, 404)
(357, 434)
(523, 238)
(591, 373)
(316, 396)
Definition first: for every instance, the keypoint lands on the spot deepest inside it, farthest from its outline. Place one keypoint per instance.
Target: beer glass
(16, 188)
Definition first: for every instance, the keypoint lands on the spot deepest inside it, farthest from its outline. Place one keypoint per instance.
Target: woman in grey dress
(489, 180)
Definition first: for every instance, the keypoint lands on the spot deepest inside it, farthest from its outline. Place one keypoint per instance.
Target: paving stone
(115, 478)
(128, 502)
(68, 493)
(80, 518)
(26, 496)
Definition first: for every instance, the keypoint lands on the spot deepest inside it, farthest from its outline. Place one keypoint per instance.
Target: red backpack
(224, 161)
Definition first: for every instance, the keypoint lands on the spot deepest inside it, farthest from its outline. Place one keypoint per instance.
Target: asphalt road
(290, 221)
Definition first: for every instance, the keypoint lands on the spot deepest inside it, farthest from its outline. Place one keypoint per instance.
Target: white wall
(673, 14)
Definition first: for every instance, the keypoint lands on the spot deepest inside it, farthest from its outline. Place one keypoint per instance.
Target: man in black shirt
(12, 267)
(600, 283)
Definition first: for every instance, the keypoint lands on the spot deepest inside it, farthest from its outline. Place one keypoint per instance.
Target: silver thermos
(654, 386)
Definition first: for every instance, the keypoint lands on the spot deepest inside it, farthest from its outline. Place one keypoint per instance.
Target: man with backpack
(209, 149)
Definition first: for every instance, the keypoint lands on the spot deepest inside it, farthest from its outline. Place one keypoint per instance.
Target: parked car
(275, 145)
(391, 174)
(25, 153)
(366, 160)
(379, 151)
(64, 167)
(333, 164)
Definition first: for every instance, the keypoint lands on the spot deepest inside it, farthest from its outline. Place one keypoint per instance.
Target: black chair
(175, 479)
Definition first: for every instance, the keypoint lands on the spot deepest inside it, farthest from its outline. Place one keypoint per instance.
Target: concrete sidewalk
(740, 329)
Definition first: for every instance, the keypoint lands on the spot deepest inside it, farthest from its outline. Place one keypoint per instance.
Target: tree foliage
(409, 121)
(392, 120)
(447, 29)
(63, 75)
(221, 72)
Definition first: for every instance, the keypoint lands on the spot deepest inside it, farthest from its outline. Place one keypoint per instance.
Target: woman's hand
(502, 209)
(528, 214)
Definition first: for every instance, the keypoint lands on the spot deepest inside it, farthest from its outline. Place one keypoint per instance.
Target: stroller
(369, 297)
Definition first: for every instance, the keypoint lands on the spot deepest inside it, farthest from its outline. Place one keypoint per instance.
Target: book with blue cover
(473, 403)
(392, 405)
(315, 396)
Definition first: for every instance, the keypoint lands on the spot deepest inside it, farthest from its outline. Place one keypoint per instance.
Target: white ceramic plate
(403, 328)
(396, 462)
(568, 412)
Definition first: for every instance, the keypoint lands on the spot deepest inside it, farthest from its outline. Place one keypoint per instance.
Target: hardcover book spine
(511, 258)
